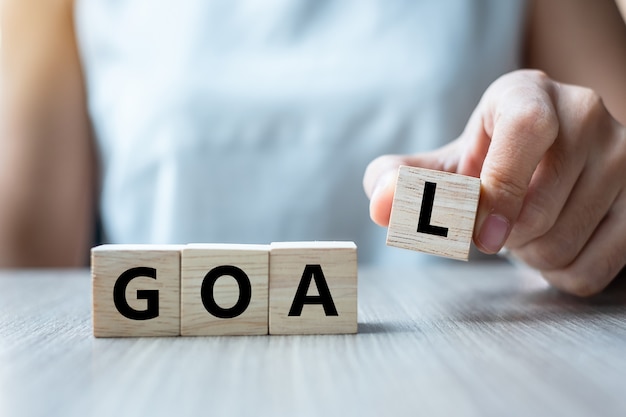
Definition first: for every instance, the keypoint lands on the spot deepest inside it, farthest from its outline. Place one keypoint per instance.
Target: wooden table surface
(449, 339)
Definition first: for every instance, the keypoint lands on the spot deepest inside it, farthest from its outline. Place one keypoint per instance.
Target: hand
(552, 163)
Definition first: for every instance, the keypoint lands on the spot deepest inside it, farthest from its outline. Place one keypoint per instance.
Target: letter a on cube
(136, 290)
(434, 212)
(313, 288)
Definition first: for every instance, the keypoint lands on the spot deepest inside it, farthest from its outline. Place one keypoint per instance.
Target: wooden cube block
(136, 290)
(224, 289)
(434, 212)
(313, 288)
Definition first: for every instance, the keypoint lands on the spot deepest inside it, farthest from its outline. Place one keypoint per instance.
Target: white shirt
(253, 121)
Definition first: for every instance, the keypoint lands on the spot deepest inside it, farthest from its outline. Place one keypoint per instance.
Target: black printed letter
(424, 225)
(152, 296)
(324, 298)
(208, 284)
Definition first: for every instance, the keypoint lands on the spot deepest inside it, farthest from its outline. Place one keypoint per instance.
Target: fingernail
(382, 183)
(493, 233)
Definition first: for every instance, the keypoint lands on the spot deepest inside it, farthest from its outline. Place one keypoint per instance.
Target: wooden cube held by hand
(434, 212)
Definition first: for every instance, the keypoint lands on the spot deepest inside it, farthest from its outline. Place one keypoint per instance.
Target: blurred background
(334, 71)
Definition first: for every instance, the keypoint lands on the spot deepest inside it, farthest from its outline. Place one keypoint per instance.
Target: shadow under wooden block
(224, 289)
(136, 290)
(313, 288)
(434, 212)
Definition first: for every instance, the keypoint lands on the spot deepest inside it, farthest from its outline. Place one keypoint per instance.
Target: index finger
(520, 123)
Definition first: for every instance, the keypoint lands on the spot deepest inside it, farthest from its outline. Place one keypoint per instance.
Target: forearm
(46, 194)
(44, 225)
(47, 162)
(583, 43)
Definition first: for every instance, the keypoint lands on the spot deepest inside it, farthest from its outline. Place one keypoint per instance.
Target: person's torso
(252, 122)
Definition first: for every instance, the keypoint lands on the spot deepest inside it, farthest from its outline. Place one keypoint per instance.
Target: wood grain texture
(200, 260)
(454, 209)
(441, 339)
(109, 262)
(293, 262)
